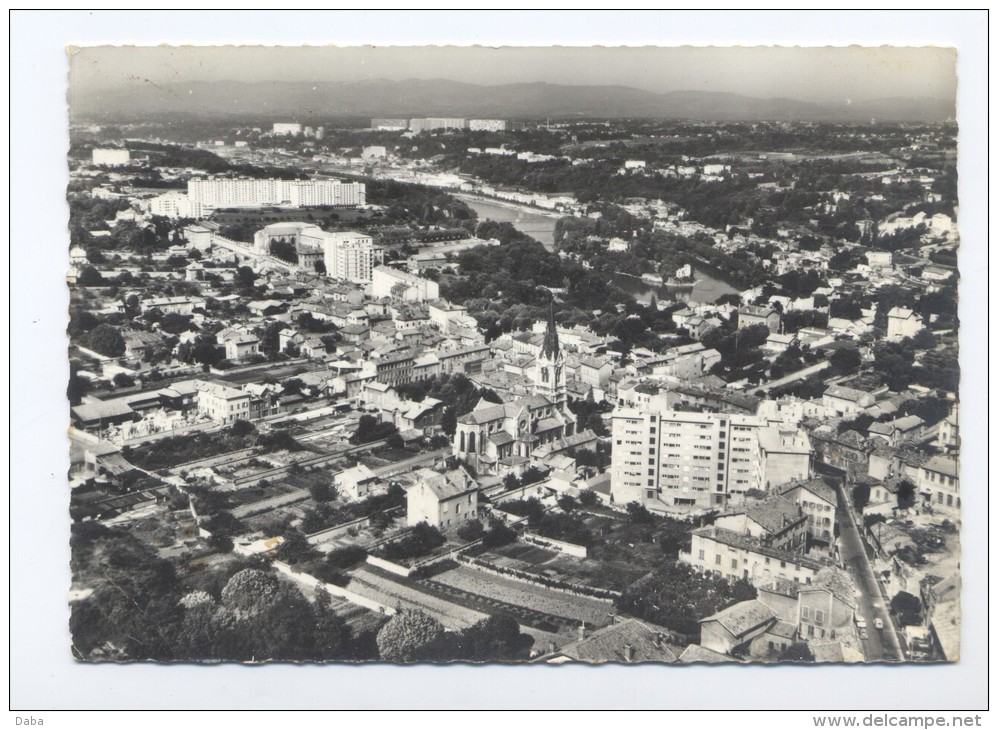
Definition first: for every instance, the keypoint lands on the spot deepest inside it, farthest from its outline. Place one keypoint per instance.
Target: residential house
(846, 402)
(734, 556)
(357, 482)
(629, 642)
(901, 323)
(750, 315)
(818, 501)
(442, 499)
(939, 483)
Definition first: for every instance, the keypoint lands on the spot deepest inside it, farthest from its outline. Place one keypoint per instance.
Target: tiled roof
(610, 643)
(696, 654)
(743, 617)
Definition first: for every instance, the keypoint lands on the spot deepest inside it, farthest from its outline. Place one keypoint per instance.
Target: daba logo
(29, 720)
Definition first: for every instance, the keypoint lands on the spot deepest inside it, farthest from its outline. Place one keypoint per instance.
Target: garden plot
(387, 592)
(555, 603)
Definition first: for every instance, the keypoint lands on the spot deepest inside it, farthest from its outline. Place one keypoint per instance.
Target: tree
(906, 494)
(588, 498)
(639, 514)
(295, 548)
(89, 276)
(410, 636)
(241, 428)
(107, 340)
(493, 639)
(845, 360)
(123, 380)
(471, 530)
(322, 492)
(499, 534)
(797, 652)
(245, 276)
(567, 503)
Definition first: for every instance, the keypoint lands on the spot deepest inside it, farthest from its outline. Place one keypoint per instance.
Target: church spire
(550, 348)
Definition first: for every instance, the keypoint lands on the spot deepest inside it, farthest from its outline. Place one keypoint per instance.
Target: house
(901, 323)
(935, 273)
(817, 500)
(594, 371)
(751, 314)
(942, 614)
(628, 641)
(357, 482)
(847, 451)
(728, 631)
(777, 343)
(939, 483)
(897, 431)
(442, 499)
(734, 556)
(777, 522)
(223, 403)
(846, 402)
(239, 343)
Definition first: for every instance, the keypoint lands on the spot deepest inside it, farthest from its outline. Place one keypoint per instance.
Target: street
(882, 644)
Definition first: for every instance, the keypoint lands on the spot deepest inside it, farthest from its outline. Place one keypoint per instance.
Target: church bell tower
(550, 375)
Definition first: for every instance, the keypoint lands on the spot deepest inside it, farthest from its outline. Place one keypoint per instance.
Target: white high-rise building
(208, 194)
(285, 128)
(677, 460)
(487, 125)
(350, 255)
(432, 123)
(110, 157)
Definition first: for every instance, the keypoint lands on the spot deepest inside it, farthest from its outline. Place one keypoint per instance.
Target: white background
(43, 676)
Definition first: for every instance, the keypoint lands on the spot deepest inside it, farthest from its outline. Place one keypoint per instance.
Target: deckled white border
(44, 676)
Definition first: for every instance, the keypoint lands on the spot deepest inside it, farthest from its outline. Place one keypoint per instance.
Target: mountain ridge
(522, 100)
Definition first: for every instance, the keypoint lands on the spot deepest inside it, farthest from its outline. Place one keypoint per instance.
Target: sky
(817, 74)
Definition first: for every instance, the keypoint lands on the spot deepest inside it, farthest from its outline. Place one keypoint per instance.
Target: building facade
(350, 255)
(682, 460)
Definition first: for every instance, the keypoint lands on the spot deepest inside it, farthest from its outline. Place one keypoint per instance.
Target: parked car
(863, 635)
(860, 623)
(878, 623)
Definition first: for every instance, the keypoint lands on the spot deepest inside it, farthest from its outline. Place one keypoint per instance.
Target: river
(540, 226)
(536, 225)
(707, 290)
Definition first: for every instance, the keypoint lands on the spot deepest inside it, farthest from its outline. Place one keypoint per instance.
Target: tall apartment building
(350, 255)
(285, 128)
(110, 157)
(390, 125)
(206, 195)
(432, 123)
(683, 460)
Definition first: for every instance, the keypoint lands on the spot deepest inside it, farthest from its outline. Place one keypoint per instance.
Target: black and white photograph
(435, 369)
(550, 356)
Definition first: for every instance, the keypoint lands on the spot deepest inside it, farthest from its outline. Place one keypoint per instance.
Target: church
(507, 437)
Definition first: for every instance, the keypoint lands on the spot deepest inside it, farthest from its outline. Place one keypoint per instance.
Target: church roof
(550, 348)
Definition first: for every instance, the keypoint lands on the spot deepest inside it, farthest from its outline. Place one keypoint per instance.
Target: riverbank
(523, 207)
(536, 223)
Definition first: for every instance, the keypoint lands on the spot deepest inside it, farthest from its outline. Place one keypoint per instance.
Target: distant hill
(438, 97)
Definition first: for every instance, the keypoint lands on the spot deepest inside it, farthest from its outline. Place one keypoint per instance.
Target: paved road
(881, 646)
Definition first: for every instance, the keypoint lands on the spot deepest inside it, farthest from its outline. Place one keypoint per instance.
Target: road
(882, 645)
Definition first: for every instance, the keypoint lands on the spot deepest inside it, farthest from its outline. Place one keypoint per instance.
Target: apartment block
(679, 460)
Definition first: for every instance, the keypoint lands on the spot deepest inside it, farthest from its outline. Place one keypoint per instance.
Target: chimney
(658, 640)
(582, 630)
(552, 647)
(628, 653)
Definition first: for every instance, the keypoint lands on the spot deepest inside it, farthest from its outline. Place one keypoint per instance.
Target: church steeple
(550, 373)
(550, 349)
